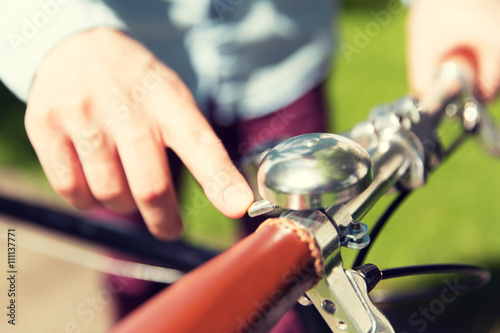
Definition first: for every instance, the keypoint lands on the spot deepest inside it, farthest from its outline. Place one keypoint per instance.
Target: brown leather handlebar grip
(247, 288)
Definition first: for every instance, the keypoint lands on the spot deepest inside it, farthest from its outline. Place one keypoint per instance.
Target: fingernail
(235, 196)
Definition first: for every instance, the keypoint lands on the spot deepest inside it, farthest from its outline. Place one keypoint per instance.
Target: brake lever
(455, 81)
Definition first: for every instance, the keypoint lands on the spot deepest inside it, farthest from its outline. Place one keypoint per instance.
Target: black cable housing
(482, 277)
(391, 273)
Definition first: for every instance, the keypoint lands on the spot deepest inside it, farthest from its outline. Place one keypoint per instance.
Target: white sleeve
(29, 29)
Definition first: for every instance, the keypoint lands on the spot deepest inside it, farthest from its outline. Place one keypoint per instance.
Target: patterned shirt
(249, 57)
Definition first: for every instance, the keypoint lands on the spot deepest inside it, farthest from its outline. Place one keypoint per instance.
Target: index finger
(146, 167)
(188, 133)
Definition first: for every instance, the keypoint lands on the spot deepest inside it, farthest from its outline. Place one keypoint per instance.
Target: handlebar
(247, 288)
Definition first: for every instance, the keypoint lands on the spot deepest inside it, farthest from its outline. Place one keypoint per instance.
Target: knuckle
(75, 195)
(151, 191)
(80, 108)
(81, 102)
(34, 118)
(135, 135)
(108, 192)
(205, 138)
(174, 87)
(84, 204)
(68, 189)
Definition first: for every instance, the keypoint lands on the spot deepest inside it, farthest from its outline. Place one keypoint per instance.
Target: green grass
(455, 218)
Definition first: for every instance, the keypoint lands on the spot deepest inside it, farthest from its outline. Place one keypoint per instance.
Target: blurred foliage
(364, 4)
(15, 149)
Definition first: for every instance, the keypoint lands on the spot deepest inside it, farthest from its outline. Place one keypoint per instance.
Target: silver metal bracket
(341, 297)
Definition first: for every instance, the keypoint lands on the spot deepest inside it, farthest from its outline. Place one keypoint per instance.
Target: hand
(100, 113)
(439, 29)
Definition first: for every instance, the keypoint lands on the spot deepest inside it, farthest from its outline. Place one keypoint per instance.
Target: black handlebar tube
(126, 239)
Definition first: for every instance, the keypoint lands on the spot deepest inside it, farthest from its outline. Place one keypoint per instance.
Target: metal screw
(342, 325)
(358, 244)
(328, 306)
(355, 225)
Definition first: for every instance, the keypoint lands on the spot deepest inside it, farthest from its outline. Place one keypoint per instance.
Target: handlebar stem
(341, 297)
(396, 157)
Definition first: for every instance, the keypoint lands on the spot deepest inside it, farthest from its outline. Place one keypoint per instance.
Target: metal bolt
(328, 306)
(356, 230)
(358, 244)
(355, 225)
(342, 325)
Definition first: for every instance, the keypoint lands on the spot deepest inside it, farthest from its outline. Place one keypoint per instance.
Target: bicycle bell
(313, 171)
